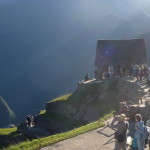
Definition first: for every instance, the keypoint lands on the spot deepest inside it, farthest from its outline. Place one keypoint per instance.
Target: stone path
(99, 139)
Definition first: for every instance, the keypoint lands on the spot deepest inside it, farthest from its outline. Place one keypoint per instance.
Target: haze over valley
(46, 47)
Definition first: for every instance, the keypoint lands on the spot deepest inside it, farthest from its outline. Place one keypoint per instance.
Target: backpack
(134, 144)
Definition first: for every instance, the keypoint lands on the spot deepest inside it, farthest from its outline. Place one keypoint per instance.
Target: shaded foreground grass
(42, 142)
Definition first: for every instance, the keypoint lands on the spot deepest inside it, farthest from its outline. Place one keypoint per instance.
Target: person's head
(122, 117)
(138, 117)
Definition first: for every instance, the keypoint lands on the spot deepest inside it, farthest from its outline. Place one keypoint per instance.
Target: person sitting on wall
(86, 78)
(123, 70)
(28, 120)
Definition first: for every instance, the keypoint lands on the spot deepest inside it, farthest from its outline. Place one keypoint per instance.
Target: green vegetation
(61, 98)
(42, 112)
(42, 142)
(7, 131)
(10, 136)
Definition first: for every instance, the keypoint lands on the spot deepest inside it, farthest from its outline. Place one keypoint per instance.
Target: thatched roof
(120, 52)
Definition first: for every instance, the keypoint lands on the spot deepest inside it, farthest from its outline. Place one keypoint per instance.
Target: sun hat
(122, 117)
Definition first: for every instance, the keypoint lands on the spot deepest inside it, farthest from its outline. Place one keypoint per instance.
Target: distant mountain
(7, 115)
(42, 62)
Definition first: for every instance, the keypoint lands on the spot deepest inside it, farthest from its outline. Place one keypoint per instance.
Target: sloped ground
(99, 139)
(102, 138)
(90, 101)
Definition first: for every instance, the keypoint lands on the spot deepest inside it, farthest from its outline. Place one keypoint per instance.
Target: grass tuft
(42, 112)
(61, 98)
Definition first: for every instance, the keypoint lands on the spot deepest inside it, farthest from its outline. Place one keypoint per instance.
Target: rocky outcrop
(90, 101)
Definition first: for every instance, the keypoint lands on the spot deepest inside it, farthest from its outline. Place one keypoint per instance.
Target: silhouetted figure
(95, 73)
(118, 72)
(123, 70)
(145, 73)
(141, 73)
(28, 120)
(137, 73)
(86, 78)
(131, 71)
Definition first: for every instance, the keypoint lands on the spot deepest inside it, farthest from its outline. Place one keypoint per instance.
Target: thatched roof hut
(120, 52)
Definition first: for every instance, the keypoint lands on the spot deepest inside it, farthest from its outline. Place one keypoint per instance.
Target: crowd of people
(141, 135)
(139, 72)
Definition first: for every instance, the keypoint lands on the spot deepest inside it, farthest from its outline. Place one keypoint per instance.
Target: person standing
(149, 140)
(148, 125)
(139, 133)
(121, 133)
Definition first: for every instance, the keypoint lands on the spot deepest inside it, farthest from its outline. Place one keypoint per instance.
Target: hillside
(7, 115)
(43, 49)
(90, 101)
(86, 109)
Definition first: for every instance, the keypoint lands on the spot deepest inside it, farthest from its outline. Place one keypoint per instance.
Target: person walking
(121, 133)
(139, 133)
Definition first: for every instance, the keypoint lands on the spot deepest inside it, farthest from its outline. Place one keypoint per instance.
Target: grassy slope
(7, 131)
(61, 98)
(42, 142)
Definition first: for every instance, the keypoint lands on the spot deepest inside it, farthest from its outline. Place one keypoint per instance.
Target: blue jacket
(139, 127)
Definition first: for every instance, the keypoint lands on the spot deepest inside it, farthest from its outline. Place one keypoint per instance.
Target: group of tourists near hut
(141, 135)
(139, 72)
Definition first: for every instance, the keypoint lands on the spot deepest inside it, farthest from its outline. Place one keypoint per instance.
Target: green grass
(42, 142)
(7, 131)
(42, 112)
(61, 98)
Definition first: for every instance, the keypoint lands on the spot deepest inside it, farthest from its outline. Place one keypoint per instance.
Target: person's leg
(149, 144)
(124, 145)
(140, 143)
(117, 145)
